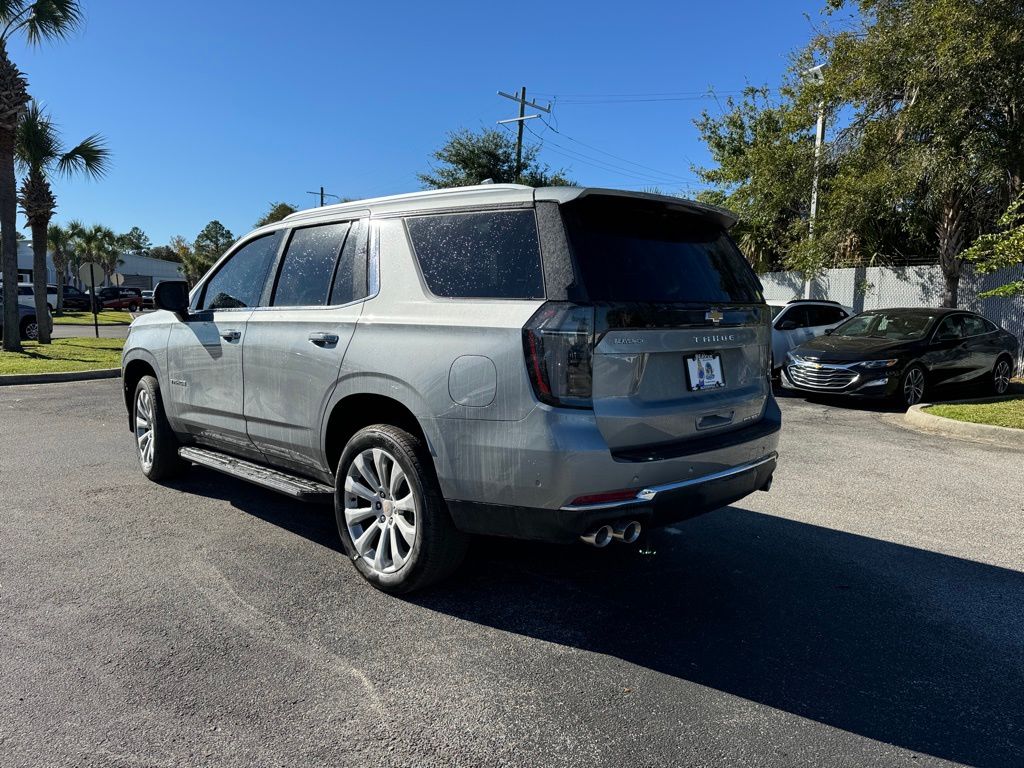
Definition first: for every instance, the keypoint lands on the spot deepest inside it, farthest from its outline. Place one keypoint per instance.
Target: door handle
(322, 339)
(231, 335)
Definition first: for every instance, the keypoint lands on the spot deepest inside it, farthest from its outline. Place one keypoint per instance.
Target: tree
(1002, 249)
(277, 212)
(934, 89)
(40, 153)
(210, 244)
(59, 242)
(37, 21)
(469, 158)
(764, 163)
(164, 252)
(135, 241)
(97, 244)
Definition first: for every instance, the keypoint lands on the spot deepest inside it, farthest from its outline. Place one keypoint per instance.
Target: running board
(300, 488)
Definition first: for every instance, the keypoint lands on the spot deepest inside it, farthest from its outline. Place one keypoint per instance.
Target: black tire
(1002, 372)
(165, 462)
(908, 395)
(29, 329)
(133, 307)
(438, 547)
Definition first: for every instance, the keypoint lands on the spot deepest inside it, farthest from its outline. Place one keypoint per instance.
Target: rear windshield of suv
(635, 250)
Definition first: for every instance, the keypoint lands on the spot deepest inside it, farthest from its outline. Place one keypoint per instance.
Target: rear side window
(633, 250)
(493, 255)
(974, 326)
(350, 276)
(240, 280)
(826, 315)
(309, 262)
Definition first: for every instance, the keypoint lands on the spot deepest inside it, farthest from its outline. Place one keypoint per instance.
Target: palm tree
(59, 243)
(38, 21)
(96, 243)
(39, 153)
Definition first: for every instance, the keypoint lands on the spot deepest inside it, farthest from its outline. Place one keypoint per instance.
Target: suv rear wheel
(391, 517)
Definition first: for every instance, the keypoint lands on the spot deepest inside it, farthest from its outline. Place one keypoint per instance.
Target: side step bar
(300, 488)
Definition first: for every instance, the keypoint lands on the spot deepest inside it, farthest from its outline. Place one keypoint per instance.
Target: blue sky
(214, 109)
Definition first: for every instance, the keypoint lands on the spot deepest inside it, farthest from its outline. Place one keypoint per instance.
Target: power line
(617, 157)
(662, 178)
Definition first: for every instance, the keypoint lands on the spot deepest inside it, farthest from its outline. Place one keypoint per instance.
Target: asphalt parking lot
(868, 611)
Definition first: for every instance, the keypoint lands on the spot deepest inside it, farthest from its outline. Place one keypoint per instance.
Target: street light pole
(819, 140)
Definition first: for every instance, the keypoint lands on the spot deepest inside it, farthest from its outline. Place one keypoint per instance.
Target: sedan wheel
(1001, 377)
(30, 330)
(913, 386)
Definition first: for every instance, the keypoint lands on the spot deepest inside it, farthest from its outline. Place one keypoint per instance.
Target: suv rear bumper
(653, 507)
(526, 476)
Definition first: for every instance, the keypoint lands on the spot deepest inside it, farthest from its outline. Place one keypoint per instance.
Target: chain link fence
(915, 286)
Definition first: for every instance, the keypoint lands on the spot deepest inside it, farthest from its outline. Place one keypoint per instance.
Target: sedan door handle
(322, 339)
(231, 335)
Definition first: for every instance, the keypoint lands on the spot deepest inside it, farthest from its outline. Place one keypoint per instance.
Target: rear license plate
(704, 371)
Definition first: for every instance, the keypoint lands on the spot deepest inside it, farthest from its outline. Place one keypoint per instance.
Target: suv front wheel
(155, 443)
(391, 516)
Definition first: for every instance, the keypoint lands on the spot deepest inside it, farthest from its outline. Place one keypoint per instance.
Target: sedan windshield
(898, 326)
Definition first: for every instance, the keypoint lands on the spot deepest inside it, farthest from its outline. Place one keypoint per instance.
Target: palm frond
(90, 157)
(50, 20)
(37, 141)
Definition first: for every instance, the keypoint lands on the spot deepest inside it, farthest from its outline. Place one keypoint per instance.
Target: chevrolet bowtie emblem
(714, 316)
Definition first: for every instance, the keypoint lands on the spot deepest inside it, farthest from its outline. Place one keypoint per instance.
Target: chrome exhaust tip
(626, 531)
(598, 537)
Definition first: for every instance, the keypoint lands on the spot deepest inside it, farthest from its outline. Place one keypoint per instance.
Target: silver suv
(558, 364)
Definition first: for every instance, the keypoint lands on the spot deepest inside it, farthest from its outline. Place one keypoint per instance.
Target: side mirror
(172, 295)
(828, 331)
(787, 325)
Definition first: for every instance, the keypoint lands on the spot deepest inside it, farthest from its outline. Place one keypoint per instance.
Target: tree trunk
(39, 281)
(951, 232)
(9, 241)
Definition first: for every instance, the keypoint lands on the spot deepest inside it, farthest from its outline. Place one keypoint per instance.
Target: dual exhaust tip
(626, 531)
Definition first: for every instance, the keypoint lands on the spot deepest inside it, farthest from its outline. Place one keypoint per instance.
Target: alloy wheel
(380, 510)
(1002, 377)
(144, 428)
(913, 386)
(32, 331)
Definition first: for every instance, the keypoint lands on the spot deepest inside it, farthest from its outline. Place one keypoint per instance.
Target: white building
(138, 271)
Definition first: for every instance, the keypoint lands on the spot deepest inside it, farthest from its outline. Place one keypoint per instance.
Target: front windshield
(898, 326)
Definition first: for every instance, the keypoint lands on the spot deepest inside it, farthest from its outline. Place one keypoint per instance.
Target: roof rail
(813, 301)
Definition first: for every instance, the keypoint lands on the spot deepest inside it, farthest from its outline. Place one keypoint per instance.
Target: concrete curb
(51, 378)
(918, 418)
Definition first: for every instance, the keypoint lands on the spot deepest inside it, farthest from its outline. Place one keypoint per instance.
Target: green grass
(1008, 413)
(106, 317)
(63, 355)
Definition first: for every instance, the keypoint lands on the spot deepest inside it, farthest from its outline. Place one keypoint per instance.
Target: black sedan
(904, 354)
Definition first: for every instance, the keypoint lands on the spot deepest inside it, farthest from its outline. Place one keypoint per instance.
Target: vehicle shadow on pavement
(900, 645)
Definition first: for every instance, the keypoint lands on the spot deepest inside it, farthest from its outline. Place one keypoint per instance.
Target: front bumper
(847, 381)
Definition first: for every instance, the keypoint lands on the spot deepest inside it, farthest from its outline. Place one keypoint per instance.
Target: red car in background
(120, 298)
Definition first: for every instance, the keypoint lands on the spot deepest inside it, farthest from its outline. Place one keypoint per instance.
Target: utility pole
(322, 195)
(816, 74)
(523, 117)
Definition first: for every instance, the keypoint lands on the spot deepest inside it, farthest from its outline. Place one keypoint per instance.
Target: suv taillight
(559, 345)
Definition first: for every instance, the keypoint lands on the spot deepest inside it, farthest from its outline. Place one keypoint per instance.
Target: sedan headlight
(876, 364)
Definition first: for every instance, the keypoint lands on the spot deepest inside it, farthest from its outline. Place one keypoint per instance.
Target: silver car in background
(557, 364)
